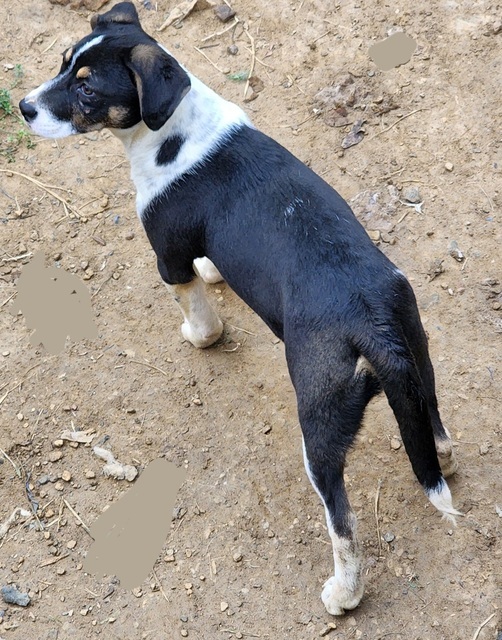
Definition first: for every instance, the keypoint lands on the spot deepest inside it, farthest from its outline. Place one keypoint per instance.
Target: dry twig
(377, 499)
(484, 623)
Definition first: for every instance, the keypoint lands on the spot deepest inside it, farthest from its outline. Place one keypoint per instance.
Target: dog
(218, 199)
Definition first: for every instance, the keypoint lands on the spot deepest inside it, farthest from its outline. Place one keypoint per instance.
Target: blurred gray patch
(392, 52)
(55, 303)
(129, 536)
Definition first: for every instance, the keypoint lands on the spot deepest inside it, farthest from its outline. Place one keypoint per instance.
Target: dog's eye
(85, 89)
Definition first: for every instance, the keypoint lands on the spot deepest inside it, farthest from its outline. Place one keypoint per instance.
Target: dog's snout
(28, 110)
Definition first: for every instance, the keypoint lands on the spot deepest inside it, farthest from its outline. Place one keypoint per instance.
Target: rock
(233, 49)
(54, 456)
(223, 606)
(355, 135)
(11, 595)
(455, 252)
(389, 537)
(224, 13)
(448, 166)
(412, 194)
(395, 443)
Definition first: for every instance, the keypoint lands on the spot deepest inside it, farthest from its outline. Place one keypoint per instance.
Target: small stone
(327, 629)
(60, 571)
(58, 443)
(484, 449)
(66, 476)
(11, 595)
(233, 49)
(395, 443)
(20, 417)
(224, 13)
(54, 456)
(129, 236)
(237, 557)
(5, 353)
(137, 592)
(496, 306)
(448, 166)
(497, 27)
(389, 537)
(223, 606)
(71, 544)
(90, 475)
(412, 194)
(184, 633)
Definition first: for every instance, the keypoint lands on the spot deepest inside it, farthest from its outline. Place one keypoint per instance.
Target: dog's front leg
(207, 271)
(201, 326)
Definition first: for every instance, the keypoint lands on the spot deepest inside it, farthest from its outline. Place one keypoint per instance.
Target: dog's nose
(28, 110)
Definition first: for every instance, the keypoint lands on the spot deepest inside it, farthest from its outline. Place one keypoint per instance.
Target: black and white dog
(213, 189)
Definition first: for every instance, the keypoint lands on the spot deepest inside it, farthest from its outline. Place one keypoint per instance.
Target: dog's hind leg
(332, 397)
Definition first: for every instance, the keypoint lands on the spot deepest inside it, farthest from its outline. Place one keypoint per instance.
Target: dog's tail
(394, 366)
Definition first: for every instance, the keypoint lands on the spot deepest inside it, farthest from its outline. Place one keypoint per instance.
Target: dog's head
(115, 77)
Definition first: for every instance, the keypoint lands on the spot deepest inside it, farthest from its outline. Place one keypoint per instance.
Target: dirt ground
(248, 550)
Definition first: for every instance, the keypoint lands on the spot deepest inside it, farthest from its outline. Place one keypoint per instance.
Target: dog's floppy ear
(161, 83)
(122, 13)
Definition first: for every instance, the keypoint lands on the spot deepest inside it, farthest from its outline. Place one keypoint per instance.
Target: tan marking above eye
(84, 72)
(145, 54)
(68, 54)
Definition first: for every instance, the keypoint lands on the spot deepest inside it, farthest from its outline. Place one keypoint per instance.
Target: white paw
(202, 339)
(337, 597)
(207, 271)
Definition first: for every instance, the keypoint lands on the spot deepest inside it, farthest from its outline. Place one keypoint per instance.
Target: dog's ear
(160, 81)
(121, 13)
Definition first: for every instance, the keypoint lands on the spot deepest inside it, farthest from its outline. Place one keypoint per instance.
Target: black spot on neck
(169, 149)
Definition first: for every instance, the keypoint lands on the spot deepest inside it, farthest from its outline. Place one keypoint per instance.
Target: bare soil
(248, 550)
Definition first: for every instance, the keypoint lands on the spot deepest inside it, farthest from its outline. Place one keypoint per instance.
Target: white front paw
(337, 597)
(202, 339)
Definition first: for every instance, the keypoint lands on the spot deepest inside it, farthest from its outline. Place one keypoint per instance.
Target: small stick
(86, 528)
(220, 33)
(397, 122)
(377, 498)
(47, 188)
(19, 383)
(475, 636)
(50, 46)
(46, 563)
(241, 329)
(223, 71)
(253, 58)
(151, 366)
(7, 457)
(261, 61)
(160, 585)
(8, 299)
(403, 216)
(321, 36)
(16, 258)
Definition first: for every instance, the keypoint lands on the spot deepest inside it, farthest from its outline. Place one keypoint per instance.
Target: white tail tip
(440, 497)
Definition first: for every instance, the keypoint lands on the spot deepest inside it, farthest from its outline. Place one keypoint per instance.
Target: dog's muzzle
(28, 110)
